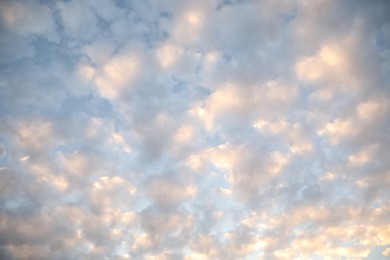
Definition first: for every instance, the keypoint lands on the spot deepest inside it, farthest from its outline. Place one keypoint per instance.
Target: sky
(207, 129)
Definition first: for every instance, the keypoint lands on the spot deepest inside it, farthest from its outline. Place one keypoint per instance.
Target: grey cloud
(21, 24)
(3, 151)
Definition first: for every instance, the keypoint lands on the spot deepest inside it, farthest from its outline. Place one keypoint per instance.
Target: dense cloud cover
(208, 129)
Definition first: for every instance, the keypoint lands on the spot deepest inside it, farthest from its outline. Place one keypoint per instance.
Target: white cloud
(386, 252)
(194, 130)
(116, 75)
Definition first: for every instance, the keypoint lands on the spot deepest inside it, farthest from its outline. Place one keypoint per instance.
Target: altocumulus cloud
(222, 129)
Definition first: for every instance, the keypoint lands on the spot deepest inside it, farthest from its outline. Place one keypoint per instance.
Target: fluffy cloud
(194, 129)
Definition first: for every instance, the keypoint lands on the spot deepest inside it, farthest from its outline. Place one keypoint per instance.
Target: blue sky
(252, 129)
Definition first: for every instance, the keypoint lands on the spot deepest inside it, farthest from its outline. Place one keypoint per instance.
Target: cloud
(78, 20)
(3, 152)
(386, 252)
(21, 24)
(194, 130)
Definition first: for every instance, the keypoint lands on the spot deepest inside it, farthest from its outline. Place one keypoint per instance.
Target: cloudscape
(194, 129)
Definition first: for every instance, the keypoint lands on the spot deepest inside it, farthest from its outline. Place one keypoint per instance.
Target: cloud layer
(194, 129)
